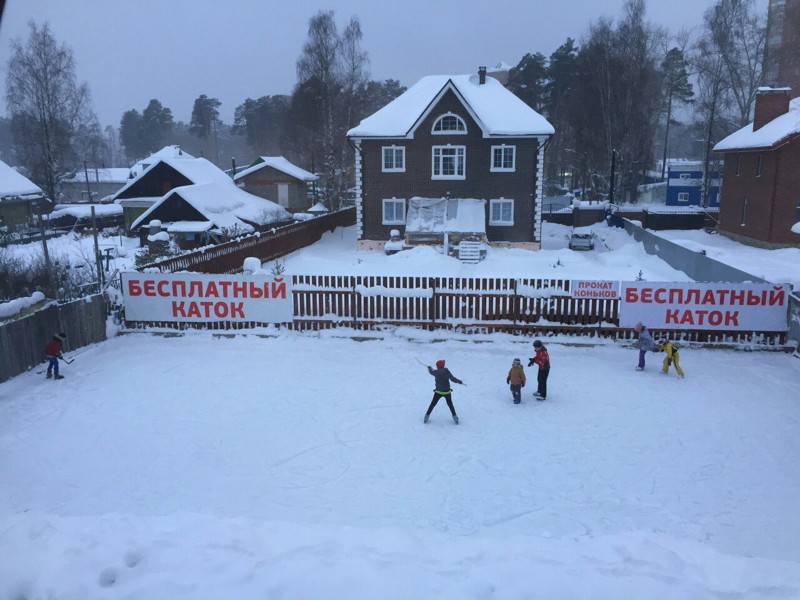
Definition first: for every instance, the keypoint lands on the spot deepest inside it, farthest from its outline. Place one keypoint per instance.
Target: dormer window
(449, 124)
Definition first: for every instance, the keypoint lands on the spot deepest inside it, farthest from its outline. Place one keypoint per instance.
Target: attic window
(449, 124)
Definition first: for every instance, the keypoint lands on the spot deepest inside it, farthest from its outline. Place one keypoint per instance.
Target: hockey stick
(420, 362)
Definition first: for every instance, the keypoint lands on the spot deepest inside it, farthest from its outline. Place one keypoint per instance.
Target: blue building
(685, 184)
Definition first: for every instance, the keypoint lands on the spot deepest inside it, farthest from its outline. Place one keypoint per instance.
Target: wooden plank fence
(266, 246)
(470, 305)
(22, 341)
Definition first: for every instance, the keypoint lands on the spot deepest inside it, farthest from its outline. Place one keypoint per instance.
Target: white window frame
(683, 196)
(462, 162)
(384, 220)
(394, 150)
(502, 150)
(500, 202)
(449, 131)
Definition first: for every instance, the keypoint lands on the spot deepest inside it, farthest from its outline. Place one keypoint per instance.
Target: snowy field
(298, 466)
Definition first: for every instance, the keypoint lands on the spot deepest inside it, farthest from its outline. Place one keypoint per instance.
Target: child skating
(516, 379)
(672, 357)
(541, 360)
(443, 378)
(645, 344)
(52, 352)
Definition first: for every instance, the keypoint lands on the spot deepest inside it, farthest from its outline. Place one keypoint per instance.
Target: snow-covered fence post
(514, 302)
(354, 301)
(434, 303)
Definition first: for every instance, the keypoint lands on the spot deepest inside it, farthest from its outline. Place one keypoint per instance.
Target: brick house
(277, 179)
(760, 198)
(452, 137)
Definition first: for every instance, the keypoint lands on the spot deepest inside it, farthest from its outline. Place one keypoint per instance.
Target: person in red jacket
(52, 353)
(542, 360)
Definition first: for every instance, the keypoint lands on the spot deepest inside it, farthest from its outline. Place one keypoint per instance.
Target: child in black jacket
(443, 378)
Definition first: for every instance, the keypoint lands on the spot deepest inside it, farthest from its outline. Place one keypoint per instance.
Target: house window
(448, 162)
(394, 211)
(501, 212)
(758, 165)
(394, 159)
(684, 175)
(797, 213)
(503, 158)
(744, 213)
(738, 164)
(449, 124)
(683, 197)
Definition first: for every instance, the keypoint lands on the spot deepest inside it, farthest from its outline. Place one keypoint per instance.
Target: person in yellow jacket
(516, 379)
(671, 358)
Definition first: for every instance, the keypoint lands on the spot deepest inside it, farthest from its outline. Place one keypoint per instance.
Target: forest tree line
(629, 89)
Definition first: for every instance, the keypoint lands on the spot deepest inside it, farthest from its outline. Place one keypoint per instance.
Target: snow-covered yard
(297, 466)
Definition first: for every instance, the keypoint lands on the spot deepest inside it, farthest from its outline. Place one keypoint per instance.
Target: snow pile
(14, 307)
(83, 211)
(297, 466)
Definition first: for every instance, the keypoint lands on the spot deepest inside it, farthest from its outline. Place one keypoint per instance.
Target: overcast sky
(130, 51)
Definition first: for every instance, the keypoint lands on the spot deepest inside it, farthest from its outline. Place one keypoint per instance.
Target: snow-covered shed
(18, 197)
(204, 213)
(275, 178)
(93, 184)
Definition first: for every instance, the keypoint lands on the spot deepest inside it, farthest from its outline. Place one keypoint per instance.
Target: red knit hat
(439, 364)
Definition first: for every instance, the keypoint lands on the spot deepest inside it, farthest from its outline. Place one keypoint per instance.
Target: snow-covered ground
(616, 256)
(298, 466)
(779, 266)
(78, 249)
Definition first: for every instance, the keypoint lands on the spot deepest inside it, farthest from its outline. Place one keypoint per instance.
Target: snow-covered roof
(109, 175)
(319, 207)
(196, 170)
(165, 152)
(81, 211)
(767, 136)
(14, 184)
(498, 111)
(189, 226)
(501, 66)
(224, 204)
(467, 215)
(281, 164)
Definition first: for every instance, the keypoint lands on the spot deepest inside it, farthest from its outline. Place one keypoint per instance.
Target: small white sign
(202, 298)
(605, 290)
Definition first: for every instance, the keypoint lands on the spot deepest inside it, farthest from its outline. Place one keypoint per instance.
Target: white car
(582, 238)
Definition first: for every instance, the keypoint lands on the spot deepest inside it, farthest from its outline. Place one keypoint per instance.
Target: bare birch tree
(50, 111)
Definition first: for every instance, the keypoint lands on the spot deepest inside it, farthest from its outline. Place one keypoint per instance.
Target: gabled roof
(223, 204)
(768, 136)
(279, 163)
(107, 175)
(196, 170)
(166, 152)
(498, 111)
(14, 184)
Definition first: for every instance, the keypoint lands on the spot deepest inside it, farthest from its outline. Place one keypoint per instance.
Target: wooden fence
(470, 305)
(22, 341)
(266, 246)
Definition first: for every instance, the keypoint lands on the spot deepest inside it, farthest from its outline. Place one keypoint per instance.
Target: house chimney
(770, 104)
(481, 75)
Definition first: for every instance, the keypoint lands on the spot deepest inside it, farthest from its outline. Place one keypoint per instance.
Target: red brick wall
(480, 182)
(771, 197)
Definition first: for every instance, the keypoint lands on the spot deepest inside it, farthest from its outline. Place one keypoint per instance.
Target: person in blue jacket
(443, 378)
(646, 344)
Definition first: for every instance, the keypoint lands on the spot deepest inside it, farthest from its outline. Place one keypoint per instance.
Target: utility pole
(97, 259)
(88, 189)
(44, 237)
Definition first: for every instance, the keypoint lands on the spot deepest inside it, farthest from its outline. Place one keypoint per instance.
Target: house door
(283, 194)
